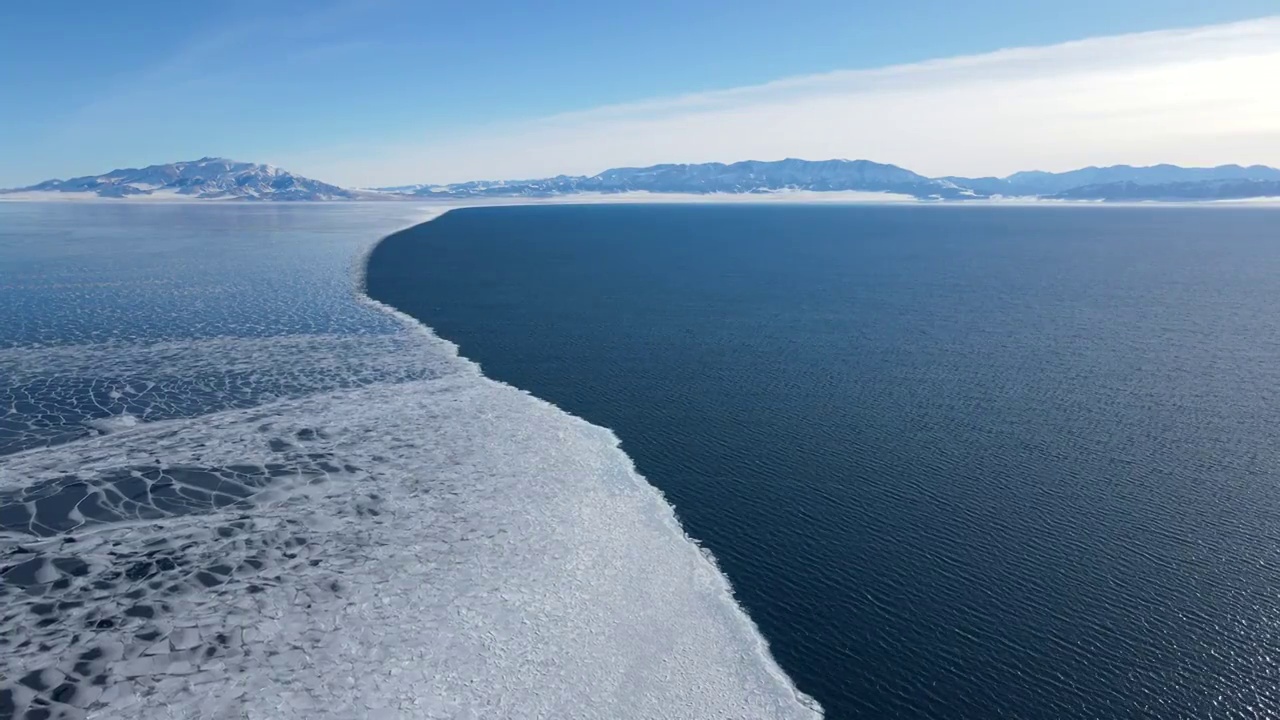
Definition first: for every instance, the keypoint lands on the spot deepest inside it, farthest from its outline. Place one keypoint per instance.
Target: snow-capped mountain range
(750, 176)
(221, 179)
(1102, 181)
(206, 179)
(1116, 183)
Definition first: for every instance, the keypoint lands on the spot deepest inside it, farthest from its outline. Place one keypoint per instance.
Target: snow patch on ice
(115, 423)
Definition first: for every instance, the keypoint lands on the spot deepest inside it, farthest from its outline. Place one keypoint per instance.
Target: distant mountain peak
(1124, 182)
(209, 178)
(744, 176)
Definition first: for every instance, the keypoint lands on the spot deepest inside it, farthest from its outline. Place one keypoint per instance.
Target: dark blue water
(958, 462)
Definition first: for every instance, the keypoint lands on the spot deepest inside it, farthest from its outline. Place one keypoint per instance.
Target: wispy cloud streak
(1191, 96)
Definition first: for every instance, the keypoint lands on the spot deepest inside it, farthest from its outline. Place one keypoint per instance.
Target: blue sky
(365, 91)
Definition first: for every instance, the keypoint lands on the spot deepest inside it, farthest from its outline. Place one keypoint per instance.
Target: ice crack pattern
(231, 489)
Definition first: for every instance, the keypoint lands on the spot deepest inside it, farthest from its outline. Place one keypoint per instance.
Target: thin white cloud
(1200, 96)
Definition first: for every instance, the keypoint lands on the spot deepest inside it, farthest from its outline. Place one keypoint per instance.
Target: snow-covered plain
(156, 195)
(432, 203)
(236, 488)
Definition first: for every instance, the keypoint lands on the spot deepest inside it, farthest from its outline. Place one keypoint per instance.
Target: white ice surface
(407, 539)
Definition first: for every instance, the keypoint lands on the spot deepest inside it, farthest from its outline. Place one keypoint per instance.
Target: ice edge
(668, 512)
